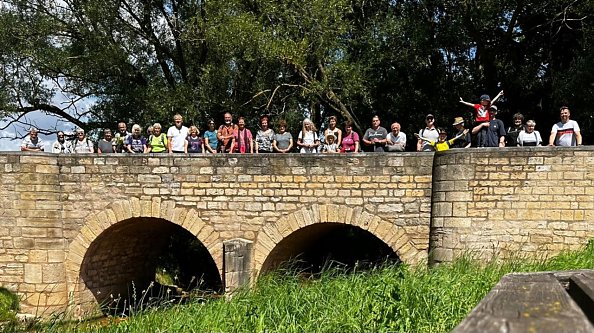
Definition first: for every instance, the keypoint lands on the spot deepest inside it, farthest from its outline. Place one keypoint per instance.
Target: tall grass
(384, 299)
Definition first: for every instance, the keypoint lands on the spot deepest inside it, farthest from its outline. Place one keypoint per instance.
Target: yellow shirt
(441, 146)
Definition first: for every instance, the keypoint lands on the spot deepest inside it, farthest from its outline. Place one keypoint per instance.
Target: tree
(142, 61)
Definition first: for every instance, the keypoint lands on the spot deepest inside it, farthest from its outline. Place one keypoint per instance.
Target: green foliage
(144, 61)
(386, 299)
(9, 304)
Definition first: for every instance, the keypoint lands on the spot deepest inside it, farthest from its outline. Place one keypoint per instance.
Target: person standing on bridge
(567, 132)
(430, 132)
(81, 143)
(283, 140)
(465, 141)
(308, 138)
(375, 136)
(211, 142)
(61, 145)
(120, 138)
(176, 135)
(350, 141)
(395, 140)
(493, 131)
(32, 142)
(264, 137)
(225, 134)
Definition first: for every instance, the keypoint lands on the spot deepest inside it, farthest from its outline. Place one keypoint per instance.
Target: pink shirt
(348, 142)
(243, 138)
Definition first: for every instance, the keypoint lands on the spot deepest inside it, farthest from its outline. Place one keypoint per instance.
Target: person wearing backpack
(157, 142)
(529, 137)
(308, 138)
(136, 143)
(430, 132)
(82, 144)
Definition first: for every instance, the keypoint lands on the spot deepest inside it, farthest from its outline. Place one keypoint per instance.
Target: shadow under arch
(377, 229)
(162, 217)
(312, 248)
(121, 263)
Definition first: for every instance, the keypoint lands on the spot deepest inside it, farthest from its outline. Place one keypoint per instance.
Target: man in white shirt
(565, 133)
(430, 132)
(32, 142)
(61, 145)
(176, 135)
(396, 140)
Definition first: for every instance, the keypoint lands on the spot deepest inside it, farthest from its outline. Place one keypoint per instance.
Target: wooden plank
(581, 289)
(526, 303)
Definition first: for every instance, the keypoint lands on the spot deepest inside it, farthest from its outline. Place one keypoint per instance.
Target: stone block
(33, 273)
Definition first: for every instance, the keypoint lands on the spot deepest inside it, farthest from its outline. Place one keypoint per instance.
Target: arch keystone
(323, 213)
(135, 206)
(155, 206)
(146, 208)
(332, 211)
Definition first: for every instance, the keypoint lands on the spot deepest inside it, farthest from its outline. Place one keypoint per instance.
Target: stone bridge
(76, 230)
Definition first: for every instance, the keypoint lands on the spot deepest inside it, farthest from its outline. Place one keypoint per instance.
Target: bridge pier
(237, 259)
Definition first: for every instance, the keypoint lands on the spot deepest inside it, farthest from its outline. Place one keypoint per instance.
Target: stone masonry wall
(55, 208)
(531, 202)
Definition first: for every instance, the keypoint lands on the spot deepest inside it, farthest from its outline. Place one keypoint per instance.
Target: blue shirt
(213, 142)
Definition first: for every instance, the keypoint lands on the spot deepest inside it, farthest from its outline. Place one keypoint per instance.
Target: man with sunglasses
(430, 133)
(61, 146)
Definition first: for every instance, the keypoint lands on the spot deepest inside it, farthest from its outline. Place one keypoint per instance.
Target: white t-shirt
(529, 139)
(565, 133)
(177, 137)
(400, 138)
(309, 139)
(430, 134)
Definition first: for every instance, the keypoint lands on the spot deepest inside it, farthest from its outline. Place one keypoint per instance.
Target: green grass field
(385, 299)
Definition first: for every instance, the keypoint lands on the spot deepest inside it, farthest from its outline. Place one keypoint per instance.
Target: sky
(40, 120)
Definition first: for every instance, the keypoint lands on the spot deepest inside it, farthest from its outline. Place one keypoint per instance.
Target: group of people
(488, 131)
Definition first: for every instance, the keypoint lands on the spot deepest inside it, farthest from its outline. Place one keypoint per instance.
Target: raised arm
(421, 138)
(497, 97)
(466, 103)
(460, 135)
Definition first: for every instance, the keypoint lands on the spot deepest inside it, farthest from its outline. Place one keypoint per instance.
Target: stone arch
(392, 235)
(98, 222)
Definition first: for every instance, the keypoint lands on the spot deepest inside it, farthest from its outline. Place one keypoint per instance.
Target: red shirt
(481, 113)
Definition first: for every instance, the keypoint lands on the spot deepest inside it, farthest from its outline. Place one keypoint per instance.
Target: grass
(385, 299)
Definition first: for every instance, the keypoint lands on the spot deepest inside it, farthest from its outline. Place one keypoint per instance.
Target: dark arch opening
(318, 246)
(128, 263)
